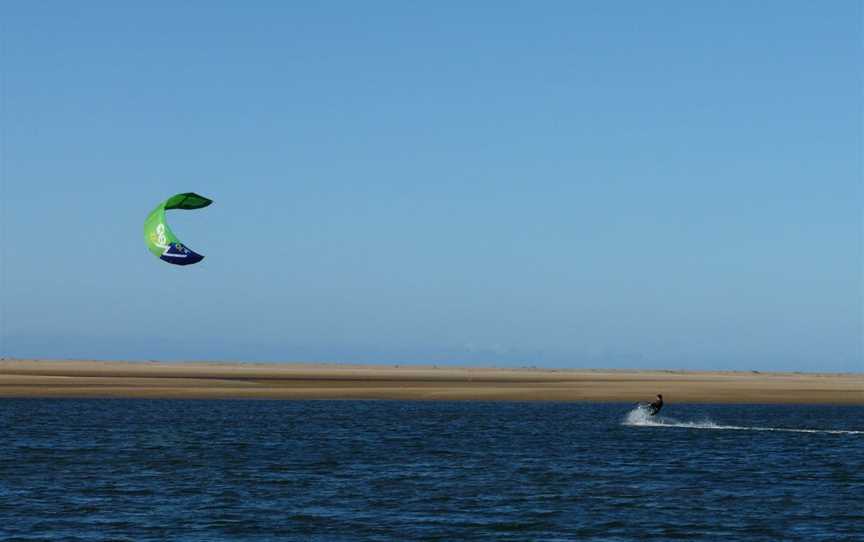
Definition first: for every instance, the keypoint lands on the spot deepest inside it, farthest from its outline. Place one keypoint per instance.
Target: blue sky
(559, 184)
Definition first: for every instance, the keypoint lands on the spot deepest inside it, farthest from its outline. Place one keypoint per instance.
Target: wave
(639, 417)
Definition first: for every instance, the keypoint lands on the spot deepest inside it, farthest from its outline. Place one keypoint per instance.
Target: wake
(639, 417)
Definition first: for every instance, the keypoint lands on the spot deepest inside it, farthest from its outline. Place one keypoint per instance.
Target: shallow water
(328, 470)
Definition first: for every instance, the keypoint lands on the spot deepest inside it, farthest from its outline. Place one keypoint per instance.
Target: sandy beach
(109, 379)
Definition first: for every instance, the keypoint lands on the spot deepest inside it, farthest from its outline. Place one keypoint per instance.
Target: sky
(555, 184)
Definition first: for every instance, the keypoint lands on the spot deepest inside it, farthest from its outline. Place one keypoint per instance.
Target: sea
(154, 470)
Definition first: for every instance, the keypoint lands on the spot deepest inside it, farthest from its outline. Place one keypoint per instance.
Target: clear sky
(666, 184)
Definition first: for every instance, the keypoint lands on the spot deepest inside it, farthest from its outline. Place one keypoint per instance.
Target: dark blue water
(331, 471)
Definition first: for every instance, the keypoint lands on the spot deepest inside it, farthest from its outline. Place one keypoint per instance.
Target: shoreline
(305, 381)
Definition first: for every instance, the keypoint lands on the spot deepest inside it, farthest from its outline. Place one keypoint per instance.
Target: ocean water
(148, 470)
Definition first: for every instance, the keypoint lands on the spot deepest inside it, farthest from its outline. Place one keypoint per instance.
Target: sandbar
(300, 381)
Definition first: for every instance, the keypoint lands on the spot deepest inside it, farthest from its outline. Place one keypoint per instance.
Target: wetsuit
(655, 406)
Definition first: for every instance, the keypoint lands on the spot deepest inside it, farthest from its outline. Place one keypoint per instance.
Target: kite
(161, 240)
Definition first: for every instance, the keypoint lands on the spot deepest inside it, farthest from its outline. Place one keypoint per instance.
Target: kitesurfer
(655, 406)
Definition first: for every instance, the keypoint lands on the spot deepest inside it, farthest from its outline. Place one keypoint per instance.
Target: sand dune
(44, 378)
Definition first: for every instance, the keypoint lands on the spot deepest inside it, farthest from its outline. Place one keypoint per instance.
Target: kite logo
(161, 241)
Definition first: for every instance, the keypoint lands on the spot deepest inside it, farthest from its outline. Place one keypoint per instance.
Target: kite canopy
(161, 240)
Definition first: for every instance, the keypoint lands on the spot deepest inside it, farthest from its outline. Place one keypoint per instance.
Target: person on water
(655, 406)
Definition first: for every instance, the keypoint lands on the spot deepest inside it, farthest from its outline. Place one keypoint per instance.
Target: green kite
(161, 240)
